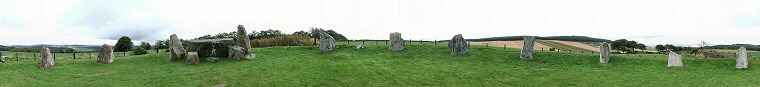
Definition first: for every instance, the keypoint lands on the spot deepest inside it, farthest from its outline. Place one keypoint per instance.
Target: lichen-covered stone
(212, 59)
(192, 58)
(741, 58)
(2, 59)
(326, 42)
(395, 42)
(527, 50)
(46, 59)
(243, 40)
(360, 46)
(236, 52)
(211, 47)
(604, 53)
(176, 48)
(674, 60)
(458, 46)
(105, 54)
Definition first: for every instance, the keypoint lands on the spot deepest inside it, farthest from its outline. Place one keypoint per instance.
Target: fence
(27, 56)
(437, 42)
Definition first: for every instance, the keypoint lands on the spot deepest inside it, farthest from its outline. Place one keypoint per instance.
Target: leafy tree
(670, 47)
(162, 44)
(145, 45)
(626, 45)
(123, 44)
(302, 33)
(660, 48)
(336, 35)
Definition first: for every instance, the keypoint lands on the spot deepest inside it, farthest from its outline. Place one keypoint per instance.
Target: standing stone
(212, 59)
(326, 42)
(604, 53)
(674, 60)
(360, 46)
(458, 46)
(177, 50)
(741, 58)
(396, 43)
(527, 51)
(211, 47)
(243, 40)
(105, 54)
(2, 59)
(236, 52)
(192, 58)
(46, 59)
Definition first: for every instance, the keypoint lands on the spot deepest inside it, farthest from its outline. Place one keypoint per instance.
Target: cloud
(111, 19)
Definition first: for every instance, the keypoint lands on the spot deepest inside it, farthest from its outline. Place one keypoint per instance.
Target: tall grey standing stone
(243, 40)
(395, 42)
(105, 54)
(527, 51)
(46, 59)
(192, 58)
(326, 42)
(604, 53)
(674, 60)
(741, 58)
(177, 50)
(458, 46)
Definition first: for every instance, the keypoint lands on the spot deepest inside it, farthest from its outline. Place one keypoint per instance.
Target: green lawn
(416, 65)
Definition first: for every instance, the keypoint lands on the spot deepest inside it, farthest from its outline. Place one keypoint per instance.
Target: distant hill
(735, 46)
(562, 38)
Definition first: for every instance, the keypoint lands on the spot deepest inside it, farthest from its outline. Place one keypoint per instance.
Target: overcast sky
(92, 22)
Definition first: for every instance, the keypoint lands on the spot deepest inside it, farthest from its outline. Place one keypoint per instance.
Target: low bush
(283, 40)
(139, 51)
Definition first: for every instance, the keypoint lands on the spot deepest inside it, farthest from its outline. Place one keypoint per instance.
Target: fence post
(420, 41)
(74, 55)
(16, 56)
(349, 41)
(435, 42)
(53, 55)
(156, 50)
(542, 49)
(486, 44)
(505, 46)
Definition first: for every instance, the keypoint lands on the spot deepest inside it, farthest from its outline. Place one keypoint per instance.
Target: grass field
(417, 65)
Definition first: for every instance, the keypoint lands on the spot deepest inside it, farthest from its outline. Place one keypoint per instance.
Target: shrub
(282, 40)
(139, 51)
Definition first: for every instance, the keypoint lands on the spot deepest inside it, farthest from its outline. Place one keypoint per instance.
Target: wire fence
(29, 56)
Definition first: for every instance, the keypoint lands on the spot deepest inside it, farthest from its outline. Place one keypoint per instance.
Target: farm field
(510, 44)
(417, 65)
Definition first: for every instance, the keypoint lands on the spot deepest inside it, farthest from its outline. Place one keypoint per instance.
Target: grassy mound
(417, 65)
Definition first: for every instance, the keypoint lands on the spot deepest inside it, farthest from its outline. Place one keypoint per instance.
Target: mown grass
(417, 65)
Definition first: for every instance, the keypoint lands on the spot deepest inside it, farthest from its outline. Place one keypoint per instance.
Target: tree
(660, 48)
(123, 44)
(301, 33)
(336, 35)
(669, 47)
(626, 45)
(145, 45)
